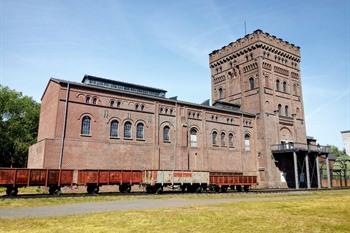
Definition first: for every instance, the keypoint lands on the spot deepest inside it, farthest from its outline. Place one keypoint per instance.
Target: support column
(296, 175)
(307, 171)
(328, 172)
(318, 172)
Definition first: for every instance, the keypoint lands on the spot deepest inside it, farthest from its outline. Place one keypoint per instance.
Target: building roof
(174, 101)
(345, 131)
(253, 33)
(114, 84)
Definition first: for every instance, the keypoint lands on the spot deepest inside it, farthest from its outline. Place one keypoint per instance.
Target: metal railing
(288, 147)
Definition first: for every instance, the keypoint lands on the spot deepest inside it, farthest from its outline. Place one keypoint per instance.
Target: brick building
(255, 126)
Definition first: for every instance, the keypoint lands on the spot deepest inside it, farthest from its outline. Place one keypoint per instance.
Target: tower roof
(258, 38)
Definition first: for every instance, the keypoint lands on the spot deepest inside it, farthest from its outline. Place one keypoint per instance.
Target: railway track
(168, 192)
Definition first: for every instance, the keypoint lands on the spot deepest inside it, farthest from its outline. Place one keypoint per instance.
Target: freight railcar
(152, 180)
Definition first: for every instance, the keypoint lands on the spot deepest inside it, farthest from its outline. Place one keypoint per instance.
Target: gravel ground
(95, 207)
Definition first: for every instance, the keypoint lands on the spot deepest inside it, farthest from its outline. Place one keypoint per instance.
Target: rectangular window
(193, 140)
(247, 144)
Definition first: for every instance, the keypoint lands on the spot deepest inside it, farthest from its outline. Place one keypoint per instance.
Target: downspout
(64, 126)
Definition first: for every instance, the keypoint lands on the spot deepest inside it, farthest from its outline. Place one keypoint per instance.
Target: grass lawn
(311, 212)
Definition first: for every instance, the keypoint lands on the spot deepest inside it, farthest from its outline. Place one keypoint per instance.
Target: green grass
(312, 212)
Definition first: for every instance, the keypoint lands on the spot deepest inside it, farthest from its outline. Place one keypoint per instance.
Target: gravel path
(95, 207)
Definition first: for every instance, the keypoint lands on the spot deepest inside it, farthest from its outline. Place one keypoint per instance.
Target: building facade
(261, 73)
(255, 125)
(346, 140)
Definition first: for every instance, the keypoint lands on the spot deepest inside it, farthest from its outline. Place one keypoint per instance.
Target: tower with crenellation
(261, 73)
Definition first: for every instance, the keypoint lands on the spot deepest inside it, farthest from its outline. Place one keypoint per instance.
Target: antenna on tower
(245, 27)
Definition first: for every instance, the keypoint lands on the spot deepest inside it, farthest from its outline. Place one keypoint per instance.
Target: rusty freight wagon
(54, 179)
(152, 180)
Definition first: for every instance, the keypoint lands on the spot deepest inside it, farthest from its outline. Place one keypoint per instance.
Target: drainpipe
(64, 127)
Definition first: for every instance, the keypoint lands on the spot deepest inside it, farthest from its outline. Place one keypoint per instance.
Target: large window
(214, 136)
(221, 93)
(284, 86)
(223, 139)
(127, 130)
(277, 85)
(114, 129)
(247, 142)
(139, 131)
(251, 83)
(193, 137)
(280, 109)
(85, 125)
(230, 140)
(166, 133)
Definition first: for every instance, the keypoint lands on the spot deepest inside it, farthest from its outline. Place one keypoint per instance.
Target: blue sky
(166, 44)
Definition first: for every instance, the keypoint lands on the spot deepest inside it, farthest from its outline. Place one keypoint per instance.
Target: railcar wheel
(54, 190)
(223, 189)
(183, 188)
(199, 189)
(246, 188)
(159, 189)
(125, 188)
(239, 188)
(92, 189)
(11, 191)
(149, 189)
(217, 189)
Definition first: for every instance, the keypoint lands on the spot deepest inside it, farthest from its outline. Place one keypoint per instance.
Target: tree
(19, 120)
(338, 153)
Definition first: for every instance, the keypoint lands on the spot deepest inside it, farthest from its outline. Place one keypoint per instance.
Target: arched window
(280, 109)
(284, 86)
(193, 138)
(111, 103)
(85, 125)
(139, 131)
(127, 130)
(114, 129)
(166, 133)
(214, 136)
(222, 139)
(94, 100)
(247, 142)
(221, 93)
(251, 83)
(230, 140)
(87, 100)
(286, 110)
(277, 85)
